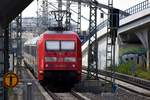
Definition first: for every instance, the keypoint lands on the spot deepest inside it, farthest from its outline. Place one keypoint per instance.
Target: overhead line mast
(79, 18)
(68, 14)
(19, 40)
(112, 27)
(45, 13)
(93, 44)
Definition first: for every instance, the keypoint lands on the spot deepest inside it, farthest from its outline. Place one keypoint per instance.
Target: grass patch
(137, 70)
(143, 74)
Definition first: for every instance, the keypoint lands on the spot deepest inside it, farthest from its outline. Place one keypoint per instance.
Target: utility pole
(19, 40)
(68, 15)
(60, 18)
(112, 26)
(37, 24)
(45, 14)
(79, 18)
(93, 44)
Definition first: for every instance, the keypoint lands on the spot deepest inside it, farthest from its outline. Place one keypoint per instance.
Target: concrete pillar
(148, 62)
(144, 36)
(148, 51)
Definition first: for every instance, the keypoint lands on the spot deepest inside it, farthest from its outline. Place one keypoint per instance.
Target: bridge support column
(148, 62)
(144, 36)
(148, 51)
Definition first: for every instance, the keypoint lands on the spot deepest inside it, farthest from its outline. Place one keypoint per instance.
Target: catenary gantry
(9, 9)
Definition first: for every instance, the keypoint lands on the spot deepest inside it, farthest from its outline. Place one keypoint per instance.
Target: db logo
(60, 59)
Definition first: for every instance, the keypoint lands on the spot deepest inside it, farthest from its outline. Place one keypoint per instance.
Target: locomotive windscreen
(67, 45)
(52, 45)
(60, 45)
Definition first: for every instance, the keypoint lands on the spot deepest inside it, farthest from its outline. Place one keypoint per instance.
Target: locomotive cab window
(67, 45)
(52, 45)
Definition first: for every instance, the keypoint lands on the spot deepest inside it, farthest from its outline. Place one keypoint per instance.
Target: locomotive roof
(35, 39)
(59, 32)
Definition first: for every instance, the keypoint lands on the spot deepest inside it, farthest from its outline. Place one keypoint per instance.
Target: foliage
(125, 68)
(137, 49)
(142, 74)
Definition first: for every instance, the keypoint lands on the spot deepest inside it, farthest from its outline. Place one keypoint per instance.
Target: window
(52, 45)
(67, 45)
(127, 59)
(131, 58)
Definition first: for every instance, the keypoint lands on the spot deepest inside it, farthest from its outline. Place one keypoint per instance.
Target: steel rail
(145, 84)
(53, 95)
(124, 87)
(74, 93)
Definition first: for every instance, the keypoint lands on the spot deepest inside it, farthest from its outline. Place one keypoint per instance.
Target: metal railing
(137, 8)
(132, 10)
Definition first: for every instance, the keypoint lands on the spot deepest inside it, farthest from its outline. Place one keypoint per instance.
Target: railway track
(50, 95)
(72, 95)
(145, 84)
(129, 80)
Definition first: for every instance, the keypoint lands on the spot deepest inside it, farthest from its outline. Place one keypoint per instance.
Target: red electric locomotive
(55, 55)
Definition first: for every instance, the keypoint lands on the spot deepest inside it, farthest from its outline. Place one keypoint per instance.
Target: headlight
(50, 59)
(69, 59)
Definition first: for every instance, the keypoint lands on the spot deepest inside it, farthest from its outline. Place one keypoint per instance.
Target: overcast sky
(30, 11)
(121, 4)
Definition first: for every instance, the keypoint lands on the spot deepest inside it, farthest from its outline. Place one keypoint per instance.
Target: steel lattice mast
(93, 43)
(79, 18)
(19, 40)
(112, 26)
(45, 13)
(59, 13)
(68, 14)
